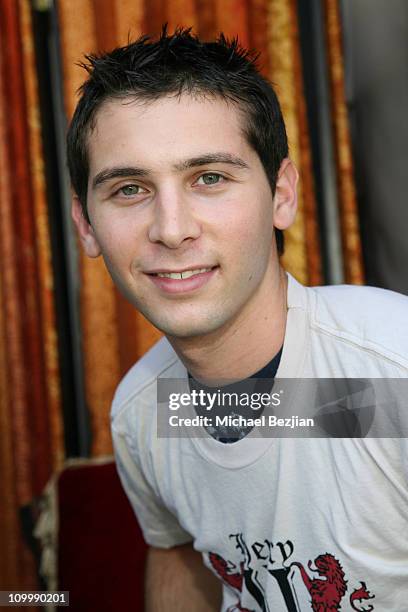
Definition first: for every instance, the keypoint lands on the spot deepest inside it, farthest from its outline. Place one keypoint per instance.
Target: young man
(179, 163)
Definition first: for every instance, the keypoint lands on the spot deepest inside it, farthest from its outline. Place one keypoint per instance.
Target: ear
(84, 228)
(285, 199)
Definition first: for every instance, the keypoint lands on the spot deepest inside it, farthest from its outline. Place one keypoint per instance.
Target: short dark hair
(173, 64)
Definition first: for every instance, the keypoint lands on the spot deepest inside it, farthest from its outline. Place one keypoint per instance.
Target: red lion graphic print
(326, 593)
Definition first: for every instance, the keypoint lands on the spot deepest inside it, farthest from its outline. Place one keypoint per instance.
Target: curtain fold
(350, 230)
(302, 250)
(31, 444)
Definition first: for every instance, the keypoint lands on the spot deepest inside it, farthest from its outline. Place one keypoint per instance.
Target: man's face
(175, 188)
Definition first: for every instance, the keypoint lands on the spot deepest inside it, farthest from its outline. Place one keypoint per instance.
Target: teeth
(181, 275)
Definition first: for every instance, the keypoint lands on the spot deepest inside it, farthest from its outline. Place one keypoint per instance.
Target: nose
(173, 219)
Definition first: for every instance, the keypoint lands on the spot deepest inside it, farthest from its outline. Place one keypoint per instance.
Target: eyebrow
(201, 160)
(118, 172)
(211, 158)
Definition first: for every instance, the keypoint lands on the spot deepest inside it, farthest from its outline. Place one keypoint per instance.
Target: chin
(188, 326)
(183, 330)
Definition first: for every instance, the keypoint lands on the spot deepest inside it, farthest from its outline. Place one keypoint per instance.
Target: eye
(211, 178)
(130, 190)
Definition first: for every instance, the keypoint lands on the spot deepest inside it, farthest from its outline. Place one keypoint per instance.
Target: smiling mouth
(182, 275)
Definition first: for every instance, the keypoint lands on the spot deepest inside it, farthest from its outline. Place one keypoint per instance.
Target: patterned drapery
(31, 446)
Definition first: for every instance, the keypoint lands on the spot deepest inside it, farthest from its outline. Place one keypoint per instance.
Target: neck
(244, 345)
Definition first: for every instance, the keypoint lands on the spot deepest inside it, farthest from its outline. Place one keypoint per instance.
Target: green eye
(130, 190)
(211, 179)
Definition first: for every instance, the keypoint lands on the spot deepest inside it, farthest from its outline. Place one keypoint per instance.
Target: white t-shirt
(286, 523)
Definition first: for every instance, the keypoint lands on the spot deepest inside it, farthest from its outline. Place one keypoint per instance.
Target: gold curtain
(114, 335)
(31, 445)
(350, 231)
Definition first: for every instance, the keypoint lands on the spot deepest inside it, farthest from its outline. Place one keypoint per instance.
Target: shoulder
(140, 381)
(371, 318)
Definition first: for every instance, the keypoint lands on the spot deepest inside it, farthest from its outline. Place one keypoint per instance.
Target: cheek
(249, 247)
(117, 238)
(249, 229)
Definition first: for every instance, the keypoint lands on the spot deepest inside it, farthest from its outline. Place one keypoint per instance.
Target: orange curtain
(31, 444)
(114, 335)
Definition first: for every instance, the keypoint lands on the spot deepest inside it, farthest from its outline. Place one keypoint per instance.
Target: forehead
(158, 133)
